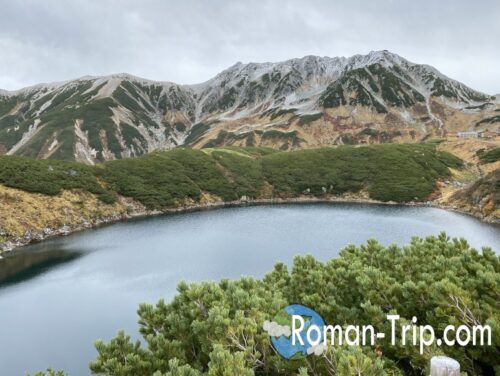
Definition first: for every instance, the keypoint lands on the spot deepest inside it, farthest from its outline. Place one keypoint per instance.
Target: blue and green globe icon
(280, 332)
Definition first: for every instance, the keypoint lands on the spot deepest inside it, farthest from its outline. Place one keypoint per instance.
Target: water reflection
(22, 265)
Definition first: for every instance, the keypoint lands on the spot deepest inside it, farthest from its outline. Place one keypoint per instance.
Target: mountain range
(305, 102)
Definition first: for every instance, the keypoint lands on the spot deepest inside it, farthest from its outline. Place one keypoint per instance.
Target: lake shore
(138, 211)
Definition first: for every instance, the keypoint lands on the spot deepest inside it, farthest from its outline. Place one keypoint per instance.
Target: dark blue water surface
(59, 296)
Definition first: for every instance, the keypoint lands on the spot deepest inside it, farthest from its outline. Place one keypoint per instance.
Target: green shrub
(50, 177)
(490, 156)
(309, 118)
(164, 179)
(388, 172)
(243, 171)
(209, 327)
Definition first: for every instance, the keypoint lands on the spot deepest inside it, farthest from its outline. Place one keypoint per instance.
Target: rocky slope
(481, 198)
(311, 101)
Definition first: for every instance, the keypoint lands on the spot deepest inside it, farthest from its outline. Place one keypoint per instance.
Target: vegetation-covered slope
(186, 177)
(216, 328)
(387, 172)
(489, 156)
(50, 177)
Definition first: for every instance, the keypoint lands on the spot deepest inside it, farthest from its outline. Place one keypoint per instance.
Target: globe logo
(280, 332)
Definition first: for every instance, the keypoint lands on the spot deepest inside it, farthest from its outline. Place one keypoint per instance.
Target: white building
(470, 134)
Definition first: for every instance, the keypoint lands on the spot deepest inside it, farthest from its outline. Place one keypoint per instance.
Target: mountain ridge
(301, 102)
(372, 56)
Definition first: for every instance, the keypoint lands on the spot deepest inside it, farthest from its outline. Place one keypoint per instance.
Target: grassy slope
(21, 211)
(171, 179)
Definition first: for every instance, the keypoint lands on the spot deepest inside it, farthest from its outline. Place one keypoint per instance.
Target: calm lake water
(69, 291)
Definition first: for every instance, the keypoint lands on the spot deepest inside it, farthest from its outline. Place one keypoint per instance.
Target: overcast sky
(190, 41)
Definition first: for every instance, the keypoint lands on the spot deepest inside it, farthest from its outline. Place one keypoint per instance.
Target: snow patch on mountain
(129, 115)
(32, 130)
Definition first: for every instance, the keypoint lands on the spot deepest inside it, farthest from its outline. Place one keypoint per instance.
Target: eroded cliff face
(312, 101)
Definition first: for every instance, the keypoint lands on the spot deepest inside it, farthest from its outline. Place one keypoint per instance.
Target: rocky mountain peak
(313, 100)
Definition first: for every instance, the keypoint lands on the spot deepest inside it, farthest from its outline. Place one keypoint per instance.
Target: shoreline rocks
(136, 211)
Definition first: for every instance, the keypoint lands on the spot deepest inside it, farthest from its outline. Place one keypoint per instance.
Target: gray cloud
(190, 41)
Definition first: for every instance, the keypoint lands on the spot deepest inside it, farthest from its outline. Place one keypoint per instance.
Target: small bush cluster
(50, 177)
(490, 156)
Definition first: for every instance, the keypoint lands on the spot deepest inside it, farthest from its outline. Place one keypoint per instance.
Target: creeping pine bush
(50, 177)
(388, 172)
(216, 328)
